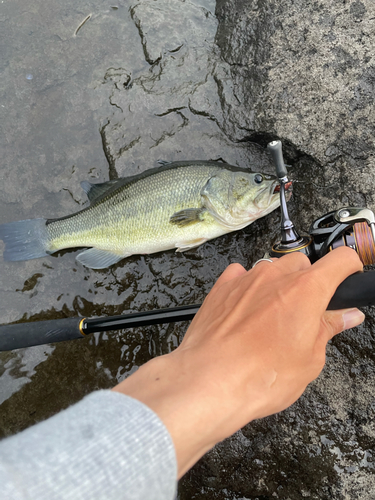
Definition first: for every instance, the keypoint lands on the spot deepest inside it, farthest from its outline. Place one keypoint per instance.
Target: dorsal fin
(94, 191)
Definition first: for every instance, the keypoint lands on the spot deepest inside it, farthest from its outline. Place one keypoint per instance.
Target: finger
(231, 272)
(334, 267)
(293, 262)
(287, 264)
(338, 321)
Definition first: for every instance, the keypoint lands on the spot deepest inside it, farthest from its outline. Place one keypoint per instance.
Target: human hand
(264, 332)
(257, 341)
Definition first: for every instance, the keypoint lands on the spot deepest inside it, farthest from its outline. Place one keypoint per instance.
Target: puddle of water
(20, 369)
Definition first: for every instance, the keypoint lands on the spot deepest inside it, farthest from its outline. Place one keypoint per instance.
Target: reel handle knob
(276, 151)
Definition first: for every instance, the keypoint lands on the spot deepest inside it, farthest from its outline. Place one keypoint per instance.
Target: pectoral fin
(99, 259)
(187, 216)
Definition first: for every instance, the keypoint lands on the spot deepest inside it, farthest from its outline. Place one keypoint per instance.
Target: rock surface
(168, 79)
(305, 73)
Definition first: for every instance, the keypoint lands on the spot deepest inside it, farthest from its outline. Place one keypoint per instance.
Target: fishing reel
(353, 227)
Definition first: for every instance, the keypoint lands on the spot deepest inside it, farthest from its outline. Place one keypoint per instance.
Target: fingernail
(352, 318)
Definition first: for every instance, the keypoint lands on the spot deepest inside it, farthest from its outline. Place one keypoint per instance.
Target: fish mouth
(288, 185)
(269, 197)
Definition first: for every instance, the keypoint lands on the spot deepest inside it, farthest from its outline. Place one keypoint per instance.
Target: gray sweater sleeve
(106, 447)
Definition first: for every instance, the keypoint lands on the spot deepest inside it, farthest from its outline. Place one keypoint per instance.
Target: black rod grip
(275, 148)
(39, 332)
(358, 290)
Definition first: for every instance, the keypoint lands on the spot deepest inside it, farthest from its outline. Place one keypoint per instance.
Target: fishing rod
(349, 226)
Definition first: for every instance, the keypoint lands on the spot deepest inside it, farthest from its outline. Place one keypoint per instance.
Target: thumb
(343, 319)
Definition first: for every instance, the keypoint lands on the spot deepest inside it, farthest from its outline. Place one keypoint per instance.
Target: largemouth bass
(178, 205)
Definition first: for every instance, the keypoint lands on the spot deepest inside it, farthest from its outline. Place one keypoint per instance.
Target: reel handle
(291, 241)
(275, 148)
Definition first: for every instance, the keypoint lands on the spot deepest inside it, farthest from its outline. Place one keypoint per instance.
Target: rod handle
(358, 290)
(20, 335)
(275, 148)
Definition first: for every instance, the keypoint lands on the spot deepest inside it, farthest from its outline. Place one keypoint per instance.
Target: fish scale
(130, 218)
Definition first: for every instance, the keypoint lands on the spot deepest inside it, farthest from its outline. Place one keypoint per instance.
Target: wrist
(182, 405)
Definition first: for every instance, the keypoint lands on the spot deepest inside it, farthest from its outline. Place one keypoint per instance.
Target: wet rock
(144, 82)
(166, 26)
(311, 65)
(177, 99)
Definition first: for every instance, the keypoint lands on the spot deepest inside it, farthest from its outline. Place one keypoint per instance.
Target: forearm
(198, 408)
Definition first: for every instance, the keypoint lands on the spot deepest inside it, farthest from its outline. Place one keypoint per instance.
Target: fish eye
(258, 178)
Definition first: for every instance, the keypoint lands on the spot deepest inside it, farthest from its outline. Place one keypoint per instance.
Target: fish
(178, 205)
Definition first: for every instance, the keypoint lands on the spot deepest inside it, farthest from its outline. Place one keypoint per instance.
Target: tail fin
(25, 239)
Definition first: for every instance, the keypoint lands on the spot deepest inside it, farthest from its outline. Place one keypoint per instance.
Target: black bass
(179, 205)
